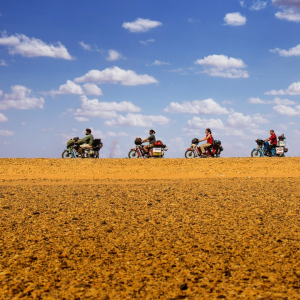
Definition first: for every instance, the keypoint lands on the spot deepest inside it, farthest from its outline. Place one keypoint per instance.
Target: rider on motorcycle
(209, 140)
(273, 141)
(87, 141)
(151, 139)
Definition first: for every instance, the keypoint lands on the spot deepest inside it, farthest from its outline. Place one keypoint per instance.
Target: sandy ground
(150, 228)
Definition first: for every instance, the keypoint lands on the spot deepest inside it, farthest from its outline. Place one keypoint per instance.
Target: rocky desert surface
(223, 228)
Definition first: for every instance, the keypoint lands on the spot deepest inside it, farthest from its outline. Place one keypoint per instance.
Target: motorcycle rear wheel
(133, 154)
(255, 153)
(189, 154)
(66, 154)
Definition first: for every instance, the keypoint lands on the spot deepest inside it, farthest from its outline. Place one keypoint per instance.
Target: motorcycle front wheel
(189, 154)
(133, 154)
(66, 154)
(255, 153)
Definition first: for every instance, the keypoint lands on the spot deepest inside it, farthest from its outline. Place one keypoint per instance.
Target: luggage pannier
(138, 141)
(97, 143)
(158, 143)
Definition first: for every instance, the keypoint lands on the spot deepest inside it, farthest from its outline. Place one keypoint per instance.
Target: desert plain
(223, 228)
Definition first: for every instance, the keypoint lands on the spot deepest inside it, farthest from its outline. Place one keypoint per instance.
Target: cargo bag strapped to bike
(97, 144)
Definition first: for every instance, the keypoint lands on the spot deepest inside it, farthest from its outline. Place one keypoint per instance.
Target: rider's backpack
(195, 141)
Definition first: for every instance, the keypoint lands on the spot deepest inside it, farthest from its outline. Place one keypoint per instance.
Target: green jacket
(88, 139)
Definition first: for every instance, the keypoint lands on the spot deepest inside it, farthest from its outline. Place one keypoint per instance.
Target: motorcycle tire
(189, 154)
(66, 154)
(133, 154)
(255, 153)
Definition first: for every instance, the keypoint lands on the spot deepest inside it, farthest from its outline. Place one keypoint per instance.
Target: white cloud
(1, 93)
(141, 25)
(68, 88)
(113, 55)
(198, 123)
(287, 110)
(3, 63)
(115, 134)
(92, 89)
(81, 119)
(242, 3)
(275, 101)
(191, 20)
(235, 19)
(85, 46)
(147, 41)
(207, 107)
(293, 89)
(32, 47)
(137, 120)
(295, 51)
(223, 66)
(274, 92)
(289, 15)
(94, 108)
(20, 98)
(6, 133)
(3, 118)
(159, 63)
(259, 5)
(290, 10)
(116, 75)
(239, 120)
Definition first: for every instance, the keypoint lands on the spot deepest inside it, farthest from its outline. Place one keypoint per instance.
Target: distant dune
(223, 228)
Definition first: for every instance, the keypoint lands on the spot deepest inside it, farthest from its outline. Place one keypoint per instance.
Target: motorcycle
(156, 152)
(212, 151)
(72, 151)
(262, 148)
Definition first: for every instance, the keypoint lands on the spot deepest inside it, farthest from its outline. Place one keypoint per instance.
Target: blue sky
(124, 67)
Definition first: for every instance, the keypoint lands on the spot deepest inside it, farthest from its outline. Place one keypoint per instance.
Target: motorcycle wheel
(66, 154)
(255, 153)
(133, 154)
(189, 154)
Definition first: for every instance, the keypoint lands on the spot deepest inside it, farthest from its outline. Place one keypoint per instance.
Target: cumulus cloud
(288, 110)
(21, 98)
(3, 63)
(3, 118)
(137, 120)
(277, 100)
(92, 89)
(290, 10)
(113, 55)
(81, 119)
(293, 89)
(239, 120)
(32, 47)
(205, 107)
(94, 108)
(116, 75)
(69, 87)
(198, 123)
(141, 25)
(147, 41)
(295, 51)
(159, 63)
(235, 19)
(85, 46)
(223, 66)
(259, 5)
(6, 133)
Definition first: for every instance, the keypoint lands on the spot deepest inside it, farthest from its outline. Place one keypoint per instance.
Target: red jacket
(273, 139)
(209, 140)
